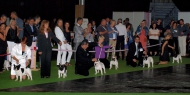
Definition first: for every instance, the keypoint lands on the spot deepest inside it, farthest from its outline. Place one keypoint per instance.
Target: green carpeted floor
(5, 81)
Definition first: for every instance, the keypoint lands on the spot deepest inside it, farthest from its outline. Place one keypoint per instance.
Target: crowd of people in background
(20, 34)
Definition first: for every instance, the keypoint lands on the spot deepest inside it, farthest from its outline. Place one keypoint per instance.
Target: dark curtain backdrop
(98, 9)
(183, 5)
(65, 9)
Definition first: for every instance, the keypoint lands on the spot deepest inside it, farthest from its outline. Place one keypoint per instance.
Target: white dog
(6, 65)
(28, 73)
(98, 67)
(147, 60)
(19, 72)
(114, 62)
(62, 72)
(178, 58)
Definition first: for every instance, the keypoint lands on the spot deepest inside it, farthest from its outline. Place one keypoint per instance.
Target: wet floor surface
(170, 79)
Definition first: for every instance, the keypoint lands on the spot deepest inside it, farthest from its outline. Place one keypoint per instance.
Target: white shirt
(17, 52)
(153, 31)
(136, 46)
(121, 29)
(59, 34)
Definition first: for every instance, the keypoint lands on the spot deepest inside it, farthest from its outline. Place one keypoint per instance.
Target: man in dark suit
(135, 53)
(30, 32)
(83, 60)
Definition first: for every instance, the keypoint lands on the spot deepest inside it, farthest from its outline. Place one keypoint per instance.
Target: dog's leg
(143, 65)
(149, 65)
(95, 71)
(104, 70)
(20, 78)
(178, 60)
(58, 74)
(110, 66)
(173, 60)
(16, 78)
(101, 72)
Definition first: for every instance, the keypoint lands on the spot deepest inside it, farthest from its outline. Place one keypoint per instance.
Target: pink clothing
(143, 39)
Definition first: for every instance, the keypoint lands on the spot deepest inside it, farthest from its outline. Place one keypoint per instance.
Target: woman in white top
(21, 54)
(153, 39)
(60, 35)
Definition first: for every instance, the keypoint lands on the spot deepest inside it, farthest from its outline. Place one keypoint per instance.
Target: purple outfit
(100, 52)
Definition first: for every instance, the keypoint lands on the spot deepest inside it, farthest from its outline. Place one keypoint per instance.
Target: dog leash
(100, 53)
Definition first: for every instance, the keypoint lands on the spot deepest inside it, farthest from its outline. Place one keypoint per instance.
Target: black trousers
(106, 62)
(171, 43)
(134, 64)
(120, 45)
(175, 42)
(82, 69)
(46, 62)
(2, 58)
(153, 42)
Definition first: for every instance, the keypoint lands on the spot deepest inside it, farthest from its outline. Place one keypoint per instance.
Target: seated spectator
(21, 54)
(164, 57)
(135, 53)
(83, 60)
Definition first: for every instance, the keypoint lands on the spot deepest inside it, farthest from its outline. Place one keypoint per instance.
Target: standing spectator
(53, 24)
(30, 32)
(183, 31)
(37, 21)
(121, 38)
(45, 49)
(161, 29)
(127, 21)
(3, 45)
(188, 45)
(61, 55)
(11, 36)
(129, 36)
(112, 31)
(19, 23)
(67, 34)
(108, 21)
(152, 22)
(89, 34)
(153, 39)
(94, 30)
(174, 30)
(142, 32)
(102, 31)
(78, 34)
(3, 19)
(169, 26)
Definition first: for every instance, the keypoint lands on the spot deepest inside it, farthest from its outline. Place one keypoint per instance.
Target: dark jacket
(132, 50)
(83, 56)
(28, 32)
(45, 43)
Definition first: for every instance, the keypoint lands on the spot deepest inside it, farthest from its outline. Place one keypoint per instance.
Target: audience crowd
(19, 35)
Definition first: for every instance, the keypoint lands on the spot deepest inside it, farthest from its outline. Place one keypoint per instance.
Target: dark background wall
(65, 9)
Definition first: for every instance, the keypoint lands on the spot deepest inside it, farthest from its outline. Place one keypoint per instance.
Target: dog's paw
(16, 80)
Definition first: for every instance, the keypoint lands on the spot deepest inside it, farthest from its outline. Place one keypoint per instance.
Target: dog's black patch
(22, 70)
(61, 67)
(145, 57)
(17, 67)
(113, 59)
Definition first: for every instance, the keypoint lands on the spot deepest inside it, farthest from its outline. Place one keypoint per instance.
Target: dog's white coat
(62, 73)
(6, 65)
(112, 62)
(178, 58)
(148, 61)
(98, 67)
